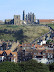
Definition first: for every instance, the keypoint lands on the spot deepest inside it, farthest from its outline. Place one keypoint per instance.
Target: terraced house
(8, 55)
(41, 53)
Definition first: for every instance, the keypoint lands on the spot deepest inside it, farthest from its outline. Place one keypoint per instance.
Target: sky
(43, 9)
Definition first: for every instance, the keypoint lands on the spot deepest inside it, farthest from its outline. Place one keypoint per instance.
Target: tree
(51, 67)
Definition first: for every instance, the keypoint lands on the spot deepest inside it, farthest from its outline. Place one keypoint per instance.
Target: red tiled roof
(20, 44)
(32, 45)
(8, 51)
(1, 52)
(39, 51)
(38, 45)
(14, 53)
(46, 20)
(49, 51)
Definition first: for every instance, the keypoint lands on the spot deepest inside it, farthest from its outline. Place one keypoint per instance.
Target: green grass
(21, 33)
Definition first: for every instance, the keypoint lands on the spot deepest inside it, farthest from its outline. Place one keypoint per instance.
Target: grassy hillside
(21, 33)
